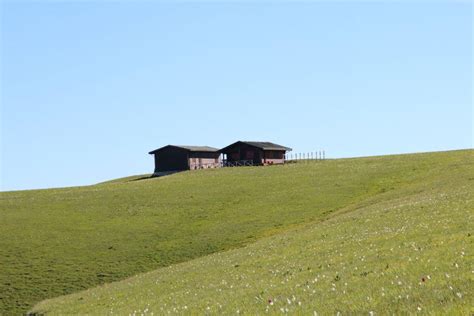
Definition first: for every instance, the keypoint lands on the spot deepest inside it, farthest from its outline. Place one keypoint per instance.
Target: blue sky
(88, 88)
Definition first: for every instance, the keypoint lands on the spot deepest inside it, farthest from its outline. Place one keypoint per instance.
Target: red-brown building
(254, 153)
(173, 158)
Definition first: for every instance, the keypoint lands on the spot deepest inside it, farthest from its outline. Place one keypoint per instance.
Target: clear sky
(88, 88)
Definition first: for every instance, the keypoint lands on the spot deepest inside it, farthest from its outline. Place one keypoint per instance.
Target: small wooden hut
(253, 153)
(174, 158)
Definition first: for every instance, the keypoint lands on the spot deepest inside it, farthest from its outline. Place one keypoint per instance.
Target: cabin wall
(204, 160)
(272, 157)
(244, 152)
(171, 159)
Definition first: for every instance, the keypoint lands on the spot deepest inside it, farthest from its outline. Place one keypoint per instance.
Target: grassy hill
(406, 250)
(345, 227)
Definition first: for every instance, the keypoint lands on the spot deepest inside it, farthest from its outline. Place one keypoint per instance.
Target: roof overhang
(188, 148)
(260, 145)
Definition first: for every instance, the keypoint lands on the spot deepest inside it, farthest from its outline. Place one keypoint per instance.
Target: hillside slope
(59, 241)
(408, 250)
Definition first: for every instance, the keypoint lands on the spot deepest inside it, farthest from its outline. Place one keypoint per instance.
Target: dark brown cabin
(258, 153)
(174, 158)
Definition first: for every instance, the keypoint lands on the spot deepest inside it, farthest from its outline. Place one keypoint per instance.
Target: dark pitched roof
(262, 145)
(188, 148)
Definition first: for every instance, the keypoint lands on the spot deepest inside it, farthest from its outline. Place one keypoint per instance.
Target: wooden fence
(314, 155)
(238, 163)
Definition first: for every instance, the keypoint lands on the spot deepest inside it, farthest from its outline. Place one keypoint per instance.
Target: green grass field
(350, 235)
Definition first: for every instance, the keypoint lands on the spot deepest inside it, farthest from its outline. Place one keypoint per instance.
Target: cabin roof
(261, 145)
(188, 148)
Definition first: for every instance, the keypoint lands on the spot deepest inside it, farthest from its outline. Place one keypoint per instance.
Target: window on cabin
(275, 155)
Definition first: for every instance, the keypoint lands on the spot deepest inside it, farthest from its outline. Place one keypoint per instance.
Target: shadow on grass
(142, 178)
